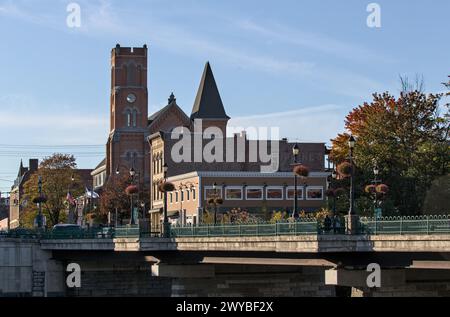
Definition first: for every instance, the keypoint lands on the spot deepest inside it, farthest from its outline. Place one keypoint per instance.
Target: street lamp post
(376, 172)
(352, 218)
(333, 178)
(296, 152)
(166, 228)
(351, 145)
(39, 219)
(215, 204)
(132, 218)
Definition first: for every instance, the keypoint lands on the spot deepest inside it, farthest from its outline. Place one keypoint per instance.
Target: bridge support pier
(183, 271)
(394, 282)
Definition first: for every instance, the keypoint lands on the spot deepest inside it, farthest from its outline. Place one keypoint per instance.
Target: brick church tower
(127, 147)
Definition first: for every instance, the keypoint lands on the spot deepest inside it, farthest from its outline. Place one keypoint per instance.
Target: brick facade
(146, 144)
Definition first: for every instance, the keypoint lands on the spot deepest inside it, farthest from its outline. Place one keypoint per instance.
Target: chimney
(34, 164)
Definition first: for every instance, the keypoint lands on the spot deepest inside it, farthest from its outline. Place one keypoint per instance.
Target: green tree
(407, 137)
(57, 172)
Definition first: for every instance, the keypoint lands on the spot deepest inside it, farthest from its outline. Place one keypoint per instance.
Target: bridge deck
(282, 244)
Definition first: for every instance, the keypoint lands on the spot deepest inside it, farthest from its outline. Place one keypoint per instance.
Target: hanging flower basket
(131, 190)
(345, 169)
(330, 193)
(166, 187)
(218, 201)
(382, 189)
(211, 201)
(339, 191)
(40, 200)
(301, 170)
(370, 189)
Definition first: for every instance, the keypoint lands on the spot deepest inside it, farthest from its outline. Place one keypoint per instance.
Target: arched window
(128, 114)
(131, 75)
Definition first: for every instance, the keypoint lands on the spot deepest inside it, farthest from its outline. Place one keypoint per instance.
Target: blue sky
(299, 65)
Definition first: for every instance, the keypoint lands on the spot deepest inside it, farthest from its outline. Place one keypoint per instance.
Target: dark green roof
(208, 104)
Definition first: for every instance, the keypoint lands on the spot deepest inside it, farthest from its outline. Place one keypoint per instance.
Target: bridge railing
(242, 230)
(426, 225)
(405, 225)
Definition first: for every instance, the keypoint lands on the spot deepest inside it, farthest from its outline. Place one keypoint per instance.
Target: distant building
(16, 205)
(144, 143)
(4, 211)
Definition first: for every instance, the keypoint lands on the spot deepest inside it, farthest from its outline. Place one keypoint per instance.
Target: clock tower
(127, 146)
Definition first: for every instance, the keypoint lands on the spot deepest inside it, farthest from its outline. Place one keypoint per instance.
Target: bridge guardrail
(242, 230)
(405, 225)
(427, 225)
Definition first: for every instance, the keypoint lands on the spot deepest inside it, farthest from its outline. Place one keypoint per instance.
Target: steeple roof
(208, 104)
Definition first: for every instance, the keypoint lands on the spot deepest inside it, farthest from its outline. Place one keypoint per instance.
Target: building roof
(102, 163)
(171, 106)
(208, 104)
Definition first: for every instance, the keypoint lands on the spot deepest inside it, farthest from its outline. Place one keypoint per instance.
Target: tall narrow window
(128, 118)
(134, 117)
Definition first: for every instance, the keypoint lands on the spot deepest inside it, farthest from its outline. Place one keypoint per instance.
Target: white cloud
(37, 124)
(314, 41)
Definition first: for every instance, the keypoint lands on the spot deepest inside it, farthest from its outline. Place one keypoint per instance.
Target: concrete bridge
(304, 265)
(279, 244)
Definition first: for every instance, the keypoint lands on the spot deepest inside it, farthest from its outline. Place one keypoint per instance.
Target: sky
(297, 65)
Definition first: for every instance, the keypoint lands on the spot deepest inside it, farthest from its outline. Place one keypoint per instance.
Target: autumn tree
(114, 197)
(57, 172)
(407, 137)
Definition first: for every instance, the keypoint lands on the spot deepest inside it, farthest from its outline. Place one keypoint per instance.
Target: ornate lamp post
(333, 178)
(39, 218)
(296, 152)
(132, 220)
(351, 146)
(215, 205)
(352, 218)
(166, 225)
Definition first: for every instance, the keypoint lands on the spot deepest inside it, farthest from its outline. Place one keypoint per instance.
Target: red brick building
(145, 143)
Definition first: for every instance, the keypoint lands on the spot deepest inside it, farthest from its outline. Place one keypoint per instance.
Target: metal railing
(127, 232)
(245, 230)
(405, 225)
(427, 225)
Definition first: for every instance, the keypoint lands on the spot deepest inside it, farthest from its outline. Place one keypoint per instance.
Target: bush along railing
(242, 230)
(405, 225)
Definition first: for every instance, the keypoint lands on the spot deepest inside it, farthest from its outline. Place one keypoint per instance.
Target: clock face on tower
(131, 98)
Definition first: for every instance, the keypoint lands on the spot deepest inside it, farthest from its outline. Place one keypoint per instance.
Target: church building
(146, 144)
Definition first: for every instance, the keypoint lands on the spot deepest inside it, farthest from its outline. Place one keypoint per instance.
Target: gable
(168, 118)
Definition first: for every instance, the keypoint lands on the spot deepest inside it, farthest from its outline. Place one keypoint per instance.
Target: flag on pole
(91, 194)
(70, 199)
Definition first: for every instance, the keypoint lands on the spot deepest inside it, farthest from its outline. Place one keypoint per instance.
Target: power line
(51, 146)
